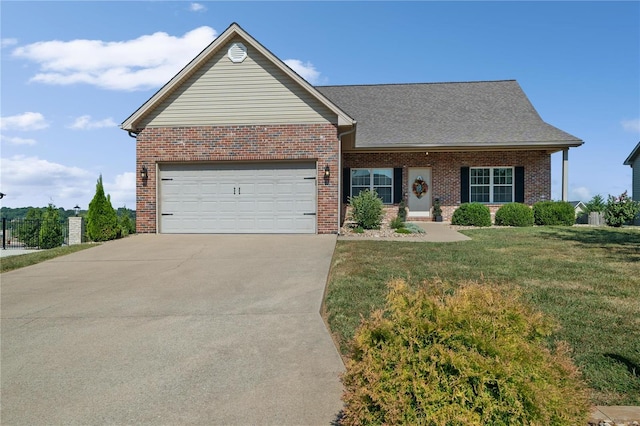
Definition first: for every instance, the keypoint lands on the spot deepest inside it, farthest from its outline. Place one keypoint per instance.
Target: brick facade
(310, 142)
(445, 171)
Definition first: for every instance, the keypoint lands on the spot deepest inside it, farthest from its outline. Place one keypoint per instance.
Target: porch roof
(466, 115)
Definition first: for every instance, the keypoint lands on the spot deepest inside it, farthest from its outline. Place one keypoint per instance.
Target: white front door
(420, 193)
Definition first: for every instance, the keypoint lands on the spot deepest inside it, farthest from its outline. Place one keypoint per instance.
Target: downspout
(340, 135)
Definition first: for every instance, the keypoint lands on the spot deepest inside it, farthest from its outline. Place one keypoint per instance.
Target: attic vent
(237, 52)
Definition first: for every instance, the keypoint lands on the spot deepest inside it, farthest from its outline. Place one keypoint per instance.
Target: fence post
(76, 230)
(4, 233)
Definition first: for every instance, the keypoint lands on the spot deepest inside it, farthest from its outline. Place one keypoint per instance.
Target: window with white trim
(380, 180)
(491, 184)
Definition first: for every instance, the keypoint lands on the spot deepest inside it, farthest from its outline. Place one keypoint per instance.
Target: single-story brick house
(633, 160)
(239, 142)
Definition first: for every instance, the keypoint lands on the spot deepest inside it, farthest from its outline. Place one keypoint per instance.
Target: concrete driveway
(172, 329)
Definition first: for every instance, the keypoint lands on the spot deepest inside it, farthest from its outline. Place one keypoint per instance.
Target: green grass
(588, 279)
(21, 260)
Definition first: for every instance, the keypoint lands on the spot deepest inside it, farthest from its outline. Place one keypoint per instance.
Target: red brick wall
(445, 171)
(312, 142)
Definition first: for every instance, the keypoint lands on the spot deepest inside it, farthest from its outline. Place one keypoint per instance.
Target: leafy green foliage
(596, 204)
(396, 223)
(403, 231)
(514, 214)
(367, 209)
(126, 224)
(471, 214)
(102, 221)
(29, 230)
(402, 211)
(620, 210)
(51, 229)
(475, 357)
(551, 213)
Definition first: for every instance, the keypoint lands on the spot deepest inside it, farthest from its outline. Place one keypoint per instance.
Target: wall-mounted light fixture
(327, 172)
(143, 173)
(77, 209)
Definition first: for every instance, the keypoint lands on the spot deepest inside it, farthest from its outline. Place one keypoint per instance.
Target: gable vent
(237, 52)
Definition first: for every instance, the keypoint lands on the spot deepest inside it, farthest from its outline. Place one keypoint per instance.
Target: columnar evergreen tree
(51, 229)
(102, 220)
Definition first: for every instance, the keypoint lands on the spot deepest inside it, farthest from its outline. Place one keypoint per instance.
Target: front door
(420, 193)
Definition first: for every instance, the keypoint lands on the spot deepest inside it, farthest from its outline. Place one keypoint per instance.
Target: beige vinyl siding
(254, 91)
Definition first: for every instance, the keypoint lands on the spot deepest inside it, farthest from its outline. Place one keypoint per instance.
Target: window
(491, 184)
(380, 180)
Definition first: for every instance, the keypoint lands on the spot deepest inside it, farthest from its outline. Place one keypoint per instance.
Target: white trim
(492, 185)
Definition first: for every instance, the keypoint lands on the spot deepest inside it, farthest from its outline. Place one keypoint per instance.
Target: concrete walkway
(172, 329)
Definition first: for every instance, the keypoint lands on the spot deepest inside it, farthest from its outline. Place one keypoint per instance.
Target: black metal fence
(33, 234)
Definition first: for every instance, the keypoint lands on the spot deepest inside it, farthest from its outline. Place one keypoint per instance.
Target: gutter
(340, 135)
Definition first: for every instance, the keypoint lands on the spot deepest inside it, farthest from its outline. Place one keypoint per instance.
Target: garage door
(237, 198)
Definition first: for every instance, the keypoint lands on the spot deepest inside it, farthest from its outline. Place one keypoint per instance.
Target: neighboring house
(238, 142)
(579, 207)
(633, 160)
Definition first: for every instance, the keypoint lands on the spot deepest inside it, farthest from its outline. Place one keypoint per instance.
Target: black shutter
(464, 184)
(519, 185)
(346, 185)
(397, 185)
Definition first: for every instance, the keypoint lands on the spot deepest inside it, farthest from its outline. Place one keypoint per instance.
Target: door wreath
(420, 187)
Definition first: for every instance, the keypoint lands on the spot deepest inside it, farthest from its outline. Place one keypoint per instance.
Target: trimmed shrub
(554, 213)
(102, 220)
(620, 210)
(514, 214)
(477, 357)
(367, 209)
(472, 214)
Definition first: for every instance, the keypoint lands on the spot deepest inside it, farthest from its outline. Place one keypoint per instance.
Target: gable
(223, 92)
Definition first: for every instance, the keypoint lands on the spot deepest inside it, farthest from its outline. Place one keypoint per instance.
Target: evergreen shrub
(367, 209)
(514, 214)
(475, 356)
(620, 210)
(50, 235)
(472, 214)
(102, 220)
(29, 230)
(551, 213)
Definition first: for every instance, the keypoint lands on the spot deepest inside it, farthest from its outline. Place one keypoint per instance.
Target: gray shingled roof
(487, 113)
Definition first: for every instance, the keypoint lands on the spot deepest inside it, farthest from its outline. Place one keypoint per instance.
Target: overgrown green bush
(367, 209)
(51, 229)
(554, 213)
(477, 357)
(102, 220)
(29, 230)
(620, 210)
(471, 214)
(514, 214)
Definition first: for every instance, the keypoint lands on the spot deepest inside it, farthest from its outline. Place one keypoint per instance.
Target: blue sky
(71, 72)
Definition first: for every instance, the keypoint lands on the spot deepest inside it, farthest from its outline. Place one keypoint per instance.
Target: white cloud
(197, 7)
(17, 141)
(580, 193)
(32, 181)
(631, 125)
(84, 122)
(25, 121)
(146, 62)
(306, 70)
(6, 42)
(122, 190)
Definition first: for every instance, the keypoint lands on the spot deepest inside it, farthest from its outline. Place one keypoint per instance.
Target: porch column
(565, 174)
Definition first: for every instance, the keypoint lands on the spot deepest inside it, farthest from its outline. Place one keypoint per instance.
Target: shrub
(367, 209)
(471, 214)
(413, 228)
(51, 229)
(126, 224)
(620, 210)
(396, 223)
(29, 229)
(403, 231)
(402, 211)
(514, 214)
(554, 213)
(102, 221)
(476, 357)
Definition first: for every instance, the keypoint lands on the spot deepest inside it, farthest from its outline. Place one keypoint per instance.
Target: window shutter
(397, 185)
(346, 184)
(464, 184)
(519, 185)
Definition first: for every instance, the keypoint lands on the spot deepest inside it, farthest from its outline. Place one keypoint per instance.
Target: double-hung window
(491, 184)
(379, 180)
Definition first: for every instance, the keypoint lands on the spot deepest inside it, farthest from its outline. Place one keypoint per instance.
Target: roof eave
(632, 156)
(490, 146)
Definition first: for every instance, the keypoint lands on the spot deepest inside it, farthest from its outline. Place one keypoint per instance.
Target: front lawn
(587, 278)
(23, 260)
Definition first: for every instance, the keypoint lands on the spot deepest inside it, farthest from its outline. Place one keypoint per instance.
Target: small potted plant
(437, 210)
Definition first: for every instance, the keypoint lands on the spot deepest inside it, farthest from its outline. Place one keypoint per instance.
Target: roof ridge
(419, 84)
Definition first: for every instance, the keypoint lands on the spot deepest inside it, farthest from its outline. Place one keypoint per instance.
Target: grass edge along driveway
(587, 278)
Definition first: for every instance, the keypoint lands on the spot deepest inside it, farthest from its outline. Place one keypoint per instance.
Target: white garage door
(237, 198)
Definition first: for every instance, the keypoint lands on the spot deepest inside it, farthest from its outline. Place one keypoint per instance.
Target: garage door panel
(233, 197)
